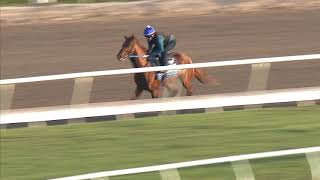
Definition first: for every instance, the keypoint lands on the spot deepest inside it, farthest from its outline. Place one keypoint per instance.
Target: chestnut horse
(147, 81)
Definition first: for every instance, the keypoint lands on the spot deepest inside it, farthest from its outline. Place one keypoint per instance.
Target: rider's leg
(154, 61)
(163, 59)
(171, 44)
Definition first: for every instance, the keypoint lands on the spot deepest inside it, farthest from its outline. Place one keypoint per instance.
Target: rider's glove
(153, 57)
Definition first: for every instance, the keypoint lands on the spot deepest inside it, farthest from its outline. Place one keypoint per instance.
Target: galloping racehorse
(147, 81)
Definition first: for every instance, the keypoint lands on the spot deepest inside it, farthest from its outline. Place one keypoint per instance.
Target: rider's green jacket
(156, 45)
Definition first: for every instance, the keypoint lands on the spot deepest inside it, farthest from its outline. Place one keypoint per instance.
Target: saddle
(171, 60)
(164, 74)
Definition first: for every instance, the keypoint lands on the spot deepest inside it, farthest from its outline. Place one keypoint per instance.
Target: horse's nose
(119, 56)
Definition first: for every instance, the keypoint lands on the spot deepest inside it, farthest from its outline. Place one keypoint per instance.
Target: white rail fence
(207, 102)
(240, 164)
(84, 80)
(160, 68)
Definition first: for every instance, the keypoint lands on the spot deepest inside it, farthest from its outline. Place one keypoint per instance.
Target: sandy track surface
(156, 8)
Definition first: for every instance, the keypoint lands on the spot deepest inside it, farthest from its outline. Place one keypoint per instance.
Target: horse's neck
(140, 51)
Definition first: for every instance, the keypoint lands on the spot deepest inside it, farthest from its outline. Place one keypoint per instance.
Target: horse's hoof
(189, 94)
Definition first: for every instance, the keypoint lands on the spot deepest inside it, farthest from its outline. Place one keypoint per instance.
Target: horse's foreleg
(155, 93)
(138, 92)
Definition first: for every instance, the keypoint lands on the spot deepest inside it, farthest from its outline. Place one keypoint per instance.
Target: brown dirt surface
(140, 9)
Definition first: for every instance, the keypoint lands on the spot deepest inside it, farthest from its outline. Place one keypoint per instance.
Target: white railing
(156, 105)
(314, 164)
(159, 68)
(83, 81)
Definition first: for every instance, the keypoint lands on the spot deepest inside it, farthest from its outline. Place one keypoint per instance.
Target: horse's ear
(125, 37)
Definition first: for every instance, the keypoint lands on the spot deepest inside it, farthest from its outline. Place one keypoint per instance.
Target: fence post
(306, 103)
(170, 174)
(42, 1)
(242, 170)
(259, 76)
(314, 163)
(258, 79)
(82, 90)
(101, 178)
(6, 96)
(81, 94)
(125, 116)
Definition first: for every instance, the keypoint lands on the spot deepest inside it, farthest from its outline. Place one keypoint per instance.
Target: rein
(137, 56)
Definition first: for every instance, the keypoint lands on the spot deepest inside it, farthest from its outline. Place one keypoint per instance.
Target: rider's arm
(150, 47)
(158, 46)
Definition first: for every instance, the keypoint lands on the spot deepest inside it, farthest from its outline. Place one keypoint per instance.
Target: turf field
(58, 151)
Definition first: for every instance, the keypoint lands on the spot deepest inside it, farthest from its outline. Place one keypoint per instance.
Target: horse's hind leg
(138, 92)
(171, 84)
(186, 81)
(189, 87)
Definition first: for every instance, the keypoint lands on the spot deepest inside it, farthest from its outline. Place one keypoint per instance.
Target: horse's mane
(135, 40)
(132, 40)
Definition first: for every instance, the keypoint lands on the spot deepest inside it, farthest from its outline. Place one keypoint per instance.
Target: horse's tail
(201, 75)
(204, 78)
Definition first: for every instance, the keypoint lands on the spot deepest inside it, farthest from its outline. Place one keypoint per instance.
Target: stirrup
(159, 75)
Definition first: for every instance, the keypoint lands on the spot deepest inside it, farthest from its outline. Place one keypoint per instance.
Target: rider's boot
(155, 62)
(163, 59)
(158, 74)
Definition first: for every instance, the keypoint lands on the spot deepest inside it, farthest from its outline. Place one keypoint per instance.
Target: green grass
(58, 151)
(13, 2)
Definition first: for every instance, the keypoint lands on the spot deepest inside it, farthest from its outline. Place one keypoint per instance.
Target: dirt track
(47, 48)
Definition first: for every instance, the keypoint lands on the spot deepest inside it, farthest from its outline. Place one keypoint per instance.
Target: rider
(159, 45)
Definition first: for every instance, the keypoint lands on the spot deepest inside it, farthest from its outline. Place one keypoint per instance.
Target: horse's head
(127, 48)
